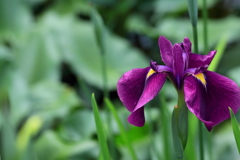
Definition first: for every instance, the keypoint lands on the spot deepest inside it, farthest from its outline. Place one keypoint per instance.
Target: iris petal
(187, 45)
(137, 118)
(178, 64)
(131, 85)
(166, 51)
(197, 60)
(211, 104)
(137, 87)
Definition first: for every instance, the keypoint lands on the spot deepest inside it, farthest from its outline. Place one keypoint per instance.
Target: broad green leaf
(57, 39)
(235, 127)
(70, 130)
(15, 17)
(58, 149)
(100, 131)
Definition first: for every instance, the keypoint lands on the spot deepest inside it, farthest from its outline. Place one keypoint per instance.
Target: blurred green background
(50, 63)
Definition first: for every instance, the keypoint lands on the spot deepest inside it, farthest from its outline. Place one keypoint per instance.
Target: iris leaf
(122, 130)
(100, 132)
(235, 127)
(220, 49)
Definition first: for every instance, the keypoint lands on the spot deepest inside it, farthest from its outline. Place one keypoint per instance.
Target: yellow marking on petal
(201, 77)
(150, 72)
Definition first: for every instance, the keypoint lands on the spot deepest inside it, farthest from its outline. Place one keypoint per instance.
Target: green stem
(205, 32)
(104, 73)
(201, 140)
(195, 38)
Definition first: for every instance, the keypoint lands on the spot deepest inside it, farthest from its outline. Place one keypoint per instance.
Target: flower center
(150, 72)
(201, 78)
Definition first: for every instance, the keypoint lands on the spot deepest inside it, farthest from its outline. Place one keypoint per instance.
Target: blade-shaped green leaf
(100, 132)
(235, 127)
(122, 130)
(220, 50)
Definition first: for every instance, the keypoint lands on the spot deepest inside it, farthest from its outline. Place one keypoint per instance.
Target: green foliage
(100, 131)
(50, 62)
(235, 128)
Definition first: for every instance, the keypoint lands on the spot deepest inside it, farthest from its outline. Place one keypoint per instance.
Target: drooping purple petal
(211, 104)
(178, 63)
(130, 87)
(166, 51)
(137, 118)
(197, 60)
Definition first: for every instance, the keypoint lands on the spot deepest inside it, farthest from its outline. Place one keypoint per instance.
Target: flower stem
(205, 32)
(195, 38)
(193, 14)
(201, 140)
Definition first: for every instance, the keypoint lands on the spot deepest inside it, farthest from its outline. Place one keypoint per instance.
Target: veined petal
(131, 85)
(210, 104)
(153, 85)
(137, 87)
(197, 60)
(166, 51)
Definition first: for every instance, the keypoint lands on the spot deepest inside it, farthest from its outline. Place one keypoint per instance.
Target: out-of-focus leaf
(56, 103)
(226, 26)
(78, 125)
(100, 132)
(236, 130)
(7, 138)
(57, 149)
(30, 128)
(234, 74)
(57, 39)
(14, 17)
(86, 60)
(175, 6)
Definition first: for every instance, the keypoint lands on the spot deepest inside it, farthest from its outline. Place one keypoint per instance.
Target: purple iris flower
(207, 94)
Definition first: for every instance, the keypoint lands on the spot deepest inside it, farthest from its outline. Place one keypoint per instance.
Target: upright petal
(210, 103)
(166, 51)
(197, 60)
(187, 45)
(178, 63)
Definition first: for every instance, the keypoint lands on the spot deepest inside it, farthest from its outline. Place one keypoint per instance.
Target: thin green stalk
(100, 132)
(205, 31)
(104, 73)
(100, 32)
(200, 127)
(195, 39)
(193, 13)
(207, 134)
(121, 127)
(164, 125)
